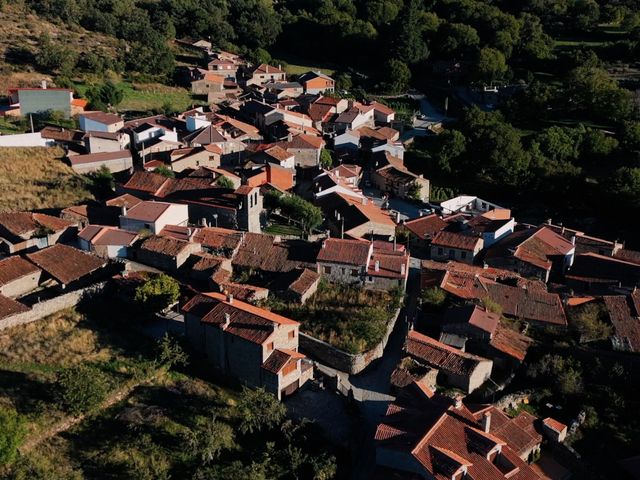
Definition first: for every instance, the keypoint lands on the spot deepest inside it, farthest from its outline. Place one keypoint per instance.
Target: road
(375, 385)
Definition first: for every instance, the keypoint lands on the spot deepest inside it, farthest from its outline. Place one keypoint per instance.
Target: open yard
(350, 318)
(37, 178)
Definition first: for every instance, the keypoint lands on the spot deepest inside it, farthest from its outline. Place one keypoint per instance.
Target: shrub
(434, 296)
(258, 409)
(165, 171)
(224, 182)
(81, 388)
(12, 433)
(158, 293)
(170, 353)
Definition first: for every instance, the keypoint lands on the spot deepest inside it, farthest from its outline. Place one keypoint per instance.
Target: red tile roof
(554, 424)
(348, 252)
(304, 281)
(102, 117)
(390, 264)
(625, 318)
(279, 358)
(13, 268)
(438, 355)
(164, 245)
(147, 211)
(10, 307)
(456, 240)
(246, 321)
(66, 264)
(426, 227)
(219, 238)
(147, 182)
(24, 223)
(473, 315)
(510, 342)
(99, 157)
(125, 200)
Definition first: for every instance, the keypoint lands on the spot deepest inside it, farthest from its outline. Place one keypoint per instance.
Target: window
(344, 271)
(269, 346)
(452, 254)
(327, 270)
(440, 251)
(463, 255)
(250, 201)
(292, 334)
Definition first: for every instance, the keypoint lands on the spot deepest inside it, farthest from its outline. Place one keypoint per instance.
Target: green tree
(409, 46)
(208, 439)
(534, 42)
(326, 160)
(307, 213)
(158, 293)
(625, 183)
(259, 410)
(170, 353)
(53, 57)
(457, 39)
(105, 96)
(224, 182)
(434, 297)
(631, 136)
(81, 388)
(491, 65)
(415, 191)
(447, 147)
(12, 433)
(589, 321)
(343, 82)
(255, 22)
(397, 76)
(102, 180)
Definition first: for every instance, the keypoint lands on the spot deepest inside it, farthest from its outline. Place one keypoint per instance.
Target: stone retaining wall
(49, 307)
(341, 360)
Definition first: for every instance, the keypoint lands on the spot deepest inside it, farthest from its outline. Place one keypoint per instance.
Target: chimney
(44, 84)
(124, 209)
(402, 269)
(573, 239)
(365, 200)
(397, 217)
(189, 233)
(227, 321)
(229, 297)
(548, 221)
(377, 266)
(486, 422)
(458, 402)
(324, 244)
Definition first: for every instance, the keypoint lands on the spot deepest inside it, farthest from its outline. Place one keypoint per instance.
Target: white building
(153, 216)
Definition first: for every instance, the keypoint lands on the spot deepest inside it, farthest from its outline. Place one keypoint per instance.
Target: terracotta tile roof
(102, 117)
(15, 267)
(244, 189)
(426, 227)
(205, 136)
(474, 315)
(510, 342)
(147, 182)
(278, 153)
(244, 292)
(99, 235)
(346, 171)
(554, 424)
(348, 252)
(279, 358)
(304, 281)
(319, 112)
(66, 264)
(147, 211)
(164, 245)
(438, 355)
(368, 210)
(390, 264)
(61, 134)
(203, 262)
(262, 252)
(219, 238)
(444, 440)
(458, 240)
(264, 68)
(10, 307)
(246, 321)
(382, 108)
(26, 223)
(125, 200)
(304, 141)
(627, 255)
(99, 157)
(526, 304)
(625, 318)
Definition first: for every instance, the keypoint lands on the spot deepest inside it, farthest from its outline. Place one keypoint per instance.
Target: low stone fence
(341, 360)
(49, 307)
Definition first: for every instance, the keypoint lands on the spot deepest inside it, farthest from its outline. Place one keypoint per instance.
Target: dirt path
(69, 422)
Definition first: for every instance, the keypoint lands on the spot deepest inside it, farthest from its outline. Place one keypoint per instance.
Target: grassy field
(298, 65)
(283, 229)
(37, 178)
(350, 318)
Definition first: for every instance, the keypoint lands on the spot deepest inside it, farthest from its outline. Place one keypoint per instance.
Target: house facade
(253, 345)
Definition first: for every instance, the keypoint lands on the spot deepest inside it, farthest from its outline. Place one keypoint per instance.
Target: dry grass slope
(36, 178)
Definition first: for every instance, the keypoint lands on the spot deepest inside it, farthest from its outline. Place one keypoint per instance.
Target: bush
(12, 432)
(224, 182)
(434, 296)
(81, 388)
(158, 293)
(170, 353)
(258, 410)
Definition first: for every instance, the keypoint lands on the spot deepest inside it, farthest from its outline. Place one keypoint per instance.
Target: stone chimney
(227, 321)
(458, 402)
(124, 209)
(377, 266)
(229, 297)
(486, 422)
(402, 269)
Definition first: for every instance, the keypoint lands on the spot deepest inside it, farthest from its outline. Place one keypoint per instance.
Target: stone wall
(49, 307)
(341, 360)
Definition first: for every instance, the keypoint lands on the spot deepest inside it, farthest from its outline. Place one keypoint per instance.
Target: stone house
(457, 368)
(460, 246)
(68, 266)
(317, 82)
(305, 148)
(253, 345)
(26, 231)
(421, 230)
(165, 253)
(262, 74)
(97, 142)
(18, 277)
(401, 182)
(471, 321)
(194, 157)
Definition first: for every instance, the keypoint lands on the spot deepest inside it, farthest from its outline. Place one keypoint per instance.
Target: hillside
(37, 178)
(19, 36)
